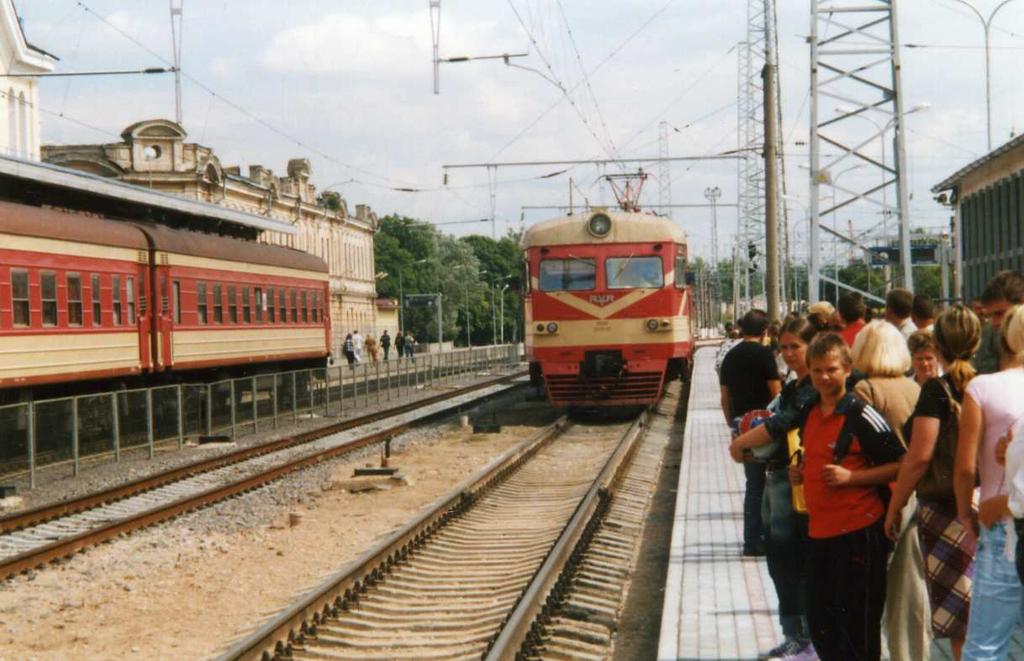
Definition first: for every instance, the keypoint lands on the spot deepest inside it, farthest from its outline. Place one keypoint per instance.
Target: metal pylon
(855, 101)
(664, 171)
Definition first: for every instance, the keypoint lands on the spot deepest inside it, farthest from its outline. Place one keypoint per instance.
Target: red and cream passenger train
(85, 299)
(608, 308)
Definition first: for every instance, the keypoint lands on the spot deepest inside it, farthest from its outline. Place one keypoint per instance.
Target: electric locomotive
(608, 308)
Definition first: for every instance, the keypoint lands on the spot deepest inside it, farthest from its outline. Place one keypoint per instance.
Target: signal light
(552, 327)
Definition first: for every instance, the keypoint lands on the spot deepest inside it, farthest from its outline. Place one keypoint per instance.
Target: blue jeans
(997, 600)
(786, 554)
(753, 535)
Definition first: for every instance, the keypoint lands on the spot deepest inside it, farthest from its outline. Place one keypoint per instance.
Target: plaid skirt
(948, 567)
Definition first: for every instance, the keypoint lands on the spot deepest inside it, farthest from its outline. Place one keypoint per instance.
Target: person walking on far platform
(349, 351)
(410, 347)
(849, 454)
(899, 304)
(400, 345)
(749, 380)
(385, 343)
(371, 349)
(357, 346)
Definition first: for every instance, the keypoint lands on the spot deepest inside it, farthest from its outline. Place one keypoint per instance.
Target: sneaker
(792, 649)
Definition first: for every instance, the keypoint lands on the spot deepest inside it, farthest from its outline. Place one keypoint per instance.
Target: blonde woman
(992, 406)
(880, 353)
(927, 470)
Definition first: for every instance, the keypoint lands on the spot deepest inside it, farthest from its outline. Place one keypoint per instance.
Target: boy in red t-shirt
(849, 455)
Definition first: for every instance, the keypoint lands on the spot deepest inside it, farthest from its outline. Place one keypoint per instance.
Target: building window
(218, 304)
(259, 305)
(283, 306)
(177, 301)
(12, 124)
(97, 300)
(232, 304)
(115, 293)
(129, 286)
(74, 299)
(48, 283)
(201, 309)
(19, 298)
(271, 302)
(246, 312)
(295, 307)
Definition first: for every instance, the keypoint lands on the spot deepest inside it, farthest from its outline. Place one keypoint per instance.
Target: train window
(295, 308)
(232, 304)
(218, 304)
(176, 286)
(680, 271)
(246, 311)
(48, 287)
(305, 307)
(316, 307)
(201, 309)
(74, 299)
(115, 293)
(633, 272)
(129, 287)
(572, 274)
(271, 302)
(19, 297)
(283, 306)
(97, 300)
(260, 302)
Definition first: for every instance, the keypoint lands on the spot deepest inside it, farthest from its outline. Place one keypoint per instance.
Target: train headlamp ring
(652, 324)
(599, 225)
(552, 327)
(540, 328)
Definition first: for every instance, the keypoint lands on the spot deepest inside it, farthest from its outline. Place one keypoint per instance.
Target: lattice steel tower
(856, 100)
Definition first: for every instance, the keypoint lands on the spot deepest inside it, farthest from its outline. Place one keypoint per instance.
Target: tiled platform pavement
(718, 604)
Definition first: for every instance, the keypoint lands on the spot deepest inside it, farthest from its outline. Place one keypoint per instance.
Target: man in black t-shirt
(749, 380)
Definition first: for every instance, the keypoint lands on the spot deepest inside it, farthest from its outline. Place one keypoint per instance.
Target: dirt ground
(172, 592)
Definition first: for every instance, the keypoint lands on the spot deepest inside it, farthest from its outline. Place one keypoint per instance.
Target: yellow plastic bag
(796, 455)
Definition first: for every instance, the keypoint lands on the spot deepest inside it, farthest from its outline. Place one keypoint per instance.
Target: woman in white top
(993, 403)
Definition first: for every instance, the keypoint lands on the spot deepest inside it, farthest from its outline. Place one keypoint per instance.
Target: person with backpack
(927, 470)
(882, 356)
(850, 454)
(349, 350)
(992, 407)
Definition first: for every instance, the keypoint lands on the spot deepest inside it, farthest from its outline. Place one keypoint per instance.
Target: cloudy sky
(348, 84)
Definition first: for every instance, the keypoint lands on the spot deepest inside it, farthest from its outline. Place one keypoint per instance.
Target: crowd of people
(358, 349)
(883, 485)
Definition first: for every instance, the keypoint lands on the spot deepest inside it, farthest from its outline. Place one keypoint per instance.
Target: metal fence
(67, 430)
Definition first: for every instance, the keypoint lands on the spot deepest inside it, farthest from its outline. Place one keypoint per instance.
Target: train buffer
(719, 604)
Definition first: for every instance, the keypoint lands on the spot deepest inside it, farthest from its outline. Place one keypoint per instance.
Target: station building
(987, 196)
(19, 91)
(154, 154)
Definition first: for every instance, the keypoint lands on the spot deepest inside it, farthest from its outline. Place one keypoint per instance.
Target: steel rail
(52, 511)
(277, 637)
(524, 622)
(64, 547)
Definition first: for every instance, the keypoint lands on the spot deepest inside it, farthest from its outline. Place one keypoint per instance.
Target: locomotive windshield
(567, 274)
(634, 272)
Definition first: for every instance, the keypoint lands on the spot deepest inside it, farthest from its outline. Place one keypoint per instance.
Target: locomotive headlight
(652, 324)
(552, 327)
(599, 225)
(540, 328)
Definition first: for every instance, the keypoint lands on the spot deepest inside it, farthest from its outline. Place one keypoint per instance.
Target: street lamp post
(502, 316)
(986, 25)
(835, 228)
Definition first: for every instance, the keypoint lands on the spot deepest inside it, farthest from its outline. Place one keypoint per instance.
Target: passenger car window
(48, 288)
(201, 309)
(19, 295)
(680, 271)
(634, 272)
(567, 274)
(74, 299)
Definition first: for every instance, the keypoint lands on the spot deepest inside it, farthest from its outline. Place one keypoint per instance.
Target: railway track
(472, 576)
(34, 537)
